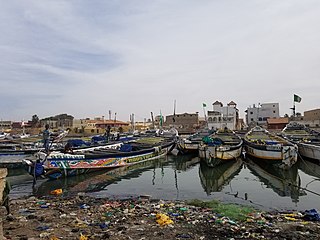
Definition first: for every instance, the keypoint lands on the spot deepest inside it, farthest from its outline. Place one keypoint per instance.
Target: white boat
(307, 140)
(261, 144)
(3, 135)
(191, 143)
(224, 145)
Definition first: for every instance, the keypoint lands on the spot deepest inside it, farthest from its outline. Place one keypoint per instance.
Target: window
(214, 119)
(260, 118)
(251, 113)
(251, 119)
(274, 111)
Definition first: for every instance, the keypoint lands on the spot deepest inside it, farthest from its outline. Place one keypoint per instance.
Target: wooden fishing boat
(213, 179)
(11, 148)
(224, 145)
(261, 144)
(190, 144)
(58, 164)
(98, 180)
(307, 140)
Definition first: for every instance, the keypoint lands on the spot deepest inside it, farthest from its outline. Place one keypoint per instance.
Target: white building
(259, 114)
(223, 116)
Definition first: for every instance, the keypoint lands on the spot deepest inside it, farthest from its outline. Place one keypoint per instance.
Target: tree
(35, 121)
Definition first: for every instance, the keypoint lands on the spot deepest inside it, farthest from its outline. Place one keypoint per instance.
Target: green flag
(204, 105)
(296, 98)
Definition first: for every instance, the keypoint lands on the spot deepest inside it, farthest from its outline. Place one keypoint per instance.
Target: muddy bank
(82, 217)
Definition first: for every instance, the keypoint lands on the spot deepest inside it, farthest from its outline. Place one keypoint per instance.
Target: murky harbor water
(185, 177)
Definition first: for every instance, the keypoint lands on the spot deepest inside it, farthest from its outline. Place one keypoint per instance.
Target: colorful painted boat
(261, 144)
(222, 146)
(307, 140)
(60, 164)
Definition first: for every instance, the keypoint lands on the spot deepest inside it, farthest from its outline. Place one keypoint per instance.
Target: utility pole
(152, 120)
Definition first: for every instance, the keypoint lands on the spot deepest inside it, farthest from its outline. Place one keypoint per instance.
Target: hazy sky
(86, 57)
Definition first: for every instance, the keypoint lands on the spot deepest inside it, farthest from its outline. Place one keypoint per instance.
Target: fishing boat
(261, 144)
(213, 179)
(10, 148)
(190, 144)
(307, 140)
(98, 180)
(222, 146)
(284, 182)
(58, 164)
(3, 135)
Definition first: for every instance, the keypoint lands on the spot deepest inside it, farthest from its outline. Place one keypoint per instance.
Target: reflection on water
(283, 182)
(97, 181)
(311, 168)
(214, 178)
(185, 177)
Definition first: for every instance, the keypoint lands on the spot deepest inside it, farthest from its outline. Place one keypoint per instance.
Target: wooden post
(3, 198)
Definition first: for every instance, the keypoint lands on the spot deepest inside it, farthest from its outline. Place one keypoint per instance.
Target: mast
(174, 114)
(152, 120)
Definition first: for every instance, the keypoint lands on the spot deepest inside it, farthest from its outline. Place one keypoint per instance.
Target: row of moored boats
(283, 149)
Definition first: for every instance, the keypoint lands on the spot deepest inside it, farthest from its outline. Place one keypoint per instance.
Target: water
(185, 177)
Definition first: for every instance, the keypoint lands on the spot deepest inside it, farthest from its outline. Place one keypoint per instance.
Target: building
(185, 123)
(223, 116)
(312, 115)
(259, 114)
(5, 125)
(59, 121)
(311, 118)
(97, 126)
(277, 123)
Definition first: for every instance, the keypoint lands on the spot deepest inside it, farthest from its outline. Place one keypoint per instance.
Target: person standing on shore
(46, 138)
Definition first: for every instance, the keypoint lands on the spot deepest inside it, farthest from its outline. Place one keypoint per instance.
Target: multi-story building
(311, 118)
(259, 114)
(312, 115)
(184, 123)
(58, 121)
(223, 116)
(97, 125)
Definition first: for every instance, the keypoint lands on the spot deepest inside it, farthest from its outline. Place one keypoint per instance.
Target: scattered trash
(149, 219)
(311, 215)
(56, 191)
(42, 228)
(83, 237)
(163, 219)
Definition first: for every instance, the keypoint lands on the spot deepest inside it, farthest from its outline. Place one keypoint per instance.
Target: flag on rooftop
(204, 105)
(296, 98)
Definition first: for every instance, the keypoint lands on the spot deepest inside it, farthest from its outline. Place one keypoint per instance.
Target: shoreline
(83, 217)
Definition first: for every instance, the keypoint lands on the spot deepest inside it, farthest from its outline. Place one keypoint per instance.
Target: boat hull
(215, 155)
(284, 156)
(66, 165)
(309, 151)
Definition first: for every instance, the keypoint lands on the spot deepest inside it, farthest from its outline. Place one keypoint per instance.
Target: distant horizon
(106, 117)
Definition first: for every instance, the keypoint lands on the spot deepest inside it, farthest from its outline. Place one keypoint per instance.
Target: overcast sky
(86, 57)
